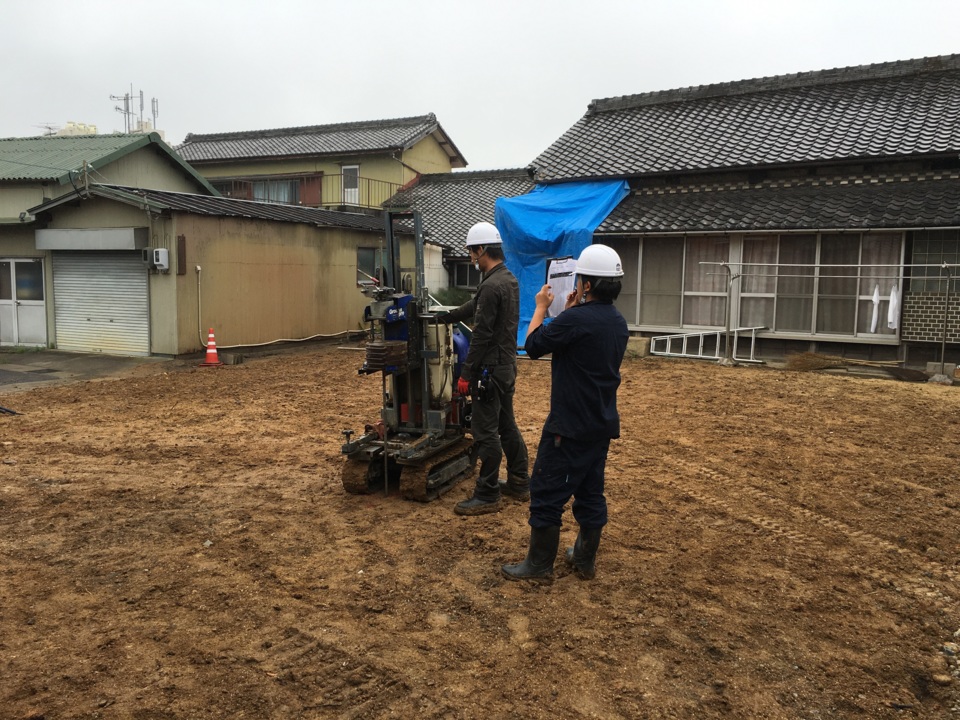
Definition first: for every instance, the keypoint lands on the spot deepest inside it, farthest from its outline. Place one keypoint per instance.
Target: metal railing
(697, 345)
(368, 193)
(327, 191)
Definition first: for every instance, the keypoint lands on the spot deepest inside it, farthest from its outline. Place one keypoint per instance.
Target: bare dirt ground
(176, 544)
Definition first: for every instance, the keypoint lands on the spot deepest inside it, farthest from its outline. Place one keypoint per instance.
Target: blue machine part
(460, 347)
(395, 325)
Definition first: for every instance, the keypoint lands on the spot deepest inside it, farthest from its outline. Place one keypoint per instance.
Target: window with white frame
(931, 249)
(832, 284)
(835, 284)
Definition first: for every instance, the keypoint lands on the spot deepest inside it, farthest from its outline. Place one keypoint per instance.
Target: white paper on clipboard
(561, 277)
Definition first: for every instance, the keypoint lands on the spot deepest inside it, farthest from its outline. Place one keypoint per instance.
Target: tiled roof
(52, 158)
(875, 203)
(450, 203)
(352, 138)
(896, 109)
(229, 207)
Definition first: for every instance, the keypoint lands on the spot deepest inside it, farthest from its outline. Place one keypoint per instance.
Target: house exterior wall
(15, 198)
(145, 168)
(262, 281)
(923, 317)
(427, 157)
(381, 174)
(96, 213)
(435, 274)
(18, 241)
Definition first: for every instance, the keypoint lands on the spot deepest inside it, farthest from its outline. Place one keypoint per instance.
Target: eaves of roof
(862, 204)
(354, 138)
(161, 201)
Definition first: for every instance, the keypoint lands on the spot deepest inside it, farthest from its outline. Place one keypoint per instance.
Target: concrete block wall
(638, 346)
(922, 317)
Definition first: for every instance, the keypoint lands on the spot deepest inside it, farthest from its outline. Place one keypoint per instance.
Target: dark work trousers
(495, 432)
(567, 468)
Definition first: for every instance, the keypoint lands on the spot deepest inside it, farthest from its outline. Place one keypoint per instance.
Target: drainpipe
(728, 347)
(946, 309)
(416, 173)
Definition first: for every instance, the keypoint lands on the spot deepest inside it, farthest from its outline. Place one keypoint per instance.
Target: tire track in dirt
(327, 678)
(912, 583)
(908, 581)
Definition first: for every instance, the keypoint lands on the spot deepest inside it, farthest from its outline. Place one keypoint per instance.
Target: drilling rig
(419, 444)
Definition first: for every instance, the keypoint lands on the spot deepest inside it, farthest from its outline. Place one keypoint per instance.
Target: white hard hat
(483, 233)
(599, 261)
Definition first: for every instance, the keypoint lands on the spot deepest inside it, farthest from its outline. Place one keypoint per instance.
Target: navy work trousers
(568, 468)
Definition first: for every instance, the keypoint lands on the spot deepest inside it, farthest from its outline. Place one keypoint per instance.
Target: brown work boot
(515, 487)
(477, 506)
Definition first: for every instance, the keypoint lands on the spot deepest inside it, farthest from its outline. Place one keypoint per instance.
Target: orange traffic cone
(212, 359)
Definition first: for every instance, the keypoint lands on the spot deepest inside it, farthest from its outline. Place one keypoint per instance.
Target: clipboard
(561, 276)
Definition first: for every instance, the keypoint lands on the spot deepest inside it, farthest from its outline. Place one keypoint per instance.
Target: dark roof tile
(450, 203)
(888, 109)
(865, 205)
(334, 139)
(229, 207)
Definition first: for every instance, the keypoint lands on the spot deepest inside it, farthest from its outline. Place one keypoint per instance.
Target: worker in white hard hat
(489, 374)
(587, 341)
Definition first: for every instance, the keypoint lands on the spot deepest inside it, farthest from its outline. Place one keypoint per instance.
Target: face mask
(477, 266)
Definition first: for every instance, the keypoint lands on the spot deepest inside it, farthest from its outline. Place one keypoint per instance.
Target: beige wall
(262, 281)
(426, 157)
(146, 168)
(15, 199)
(18, 241)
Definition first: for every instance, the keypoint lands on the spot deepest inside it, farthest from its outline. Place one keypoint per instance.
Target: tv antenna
(128, 112)
(51, 128)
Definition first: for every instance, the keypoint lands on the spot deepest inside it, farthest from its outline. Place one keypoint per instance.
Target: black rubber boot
(477, 506)
(538, 564)
(582, 556)
(516, 487)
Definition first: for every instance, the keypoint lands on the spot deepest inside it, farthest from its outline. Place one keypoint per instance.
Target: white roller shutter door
(101, 302)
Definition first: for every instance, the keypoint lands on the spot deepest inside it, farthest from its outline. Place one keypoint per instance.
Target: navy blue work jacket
(587, 342)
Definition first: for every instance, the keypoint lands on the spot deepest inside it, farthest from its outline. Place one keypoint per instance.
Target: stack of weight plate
(388, 354)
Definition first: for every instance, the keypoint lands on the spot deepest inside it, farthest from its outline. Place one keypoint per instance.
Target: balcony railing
(327, 191)
(365, 192)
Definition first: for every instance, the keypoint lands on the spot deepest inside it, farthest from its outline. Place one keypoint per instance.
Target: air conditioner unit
(161, 259)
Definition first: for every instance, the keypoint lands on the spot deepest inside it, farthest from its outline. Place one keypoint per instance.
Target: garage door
(101, 302)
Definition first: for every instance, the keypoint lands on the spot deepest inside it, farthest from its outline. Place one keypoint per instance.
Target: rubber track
(413, 478)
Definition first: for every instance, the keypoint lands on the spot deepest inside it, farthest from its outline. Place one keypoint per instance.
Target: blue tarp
(551, 221)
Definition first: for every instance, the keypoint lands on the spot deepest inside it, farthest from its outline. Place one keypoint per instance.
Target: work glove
(463, 387)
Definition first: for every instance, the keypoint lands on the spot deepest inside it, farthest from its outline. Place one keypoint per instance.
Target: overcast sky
(505, 78)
